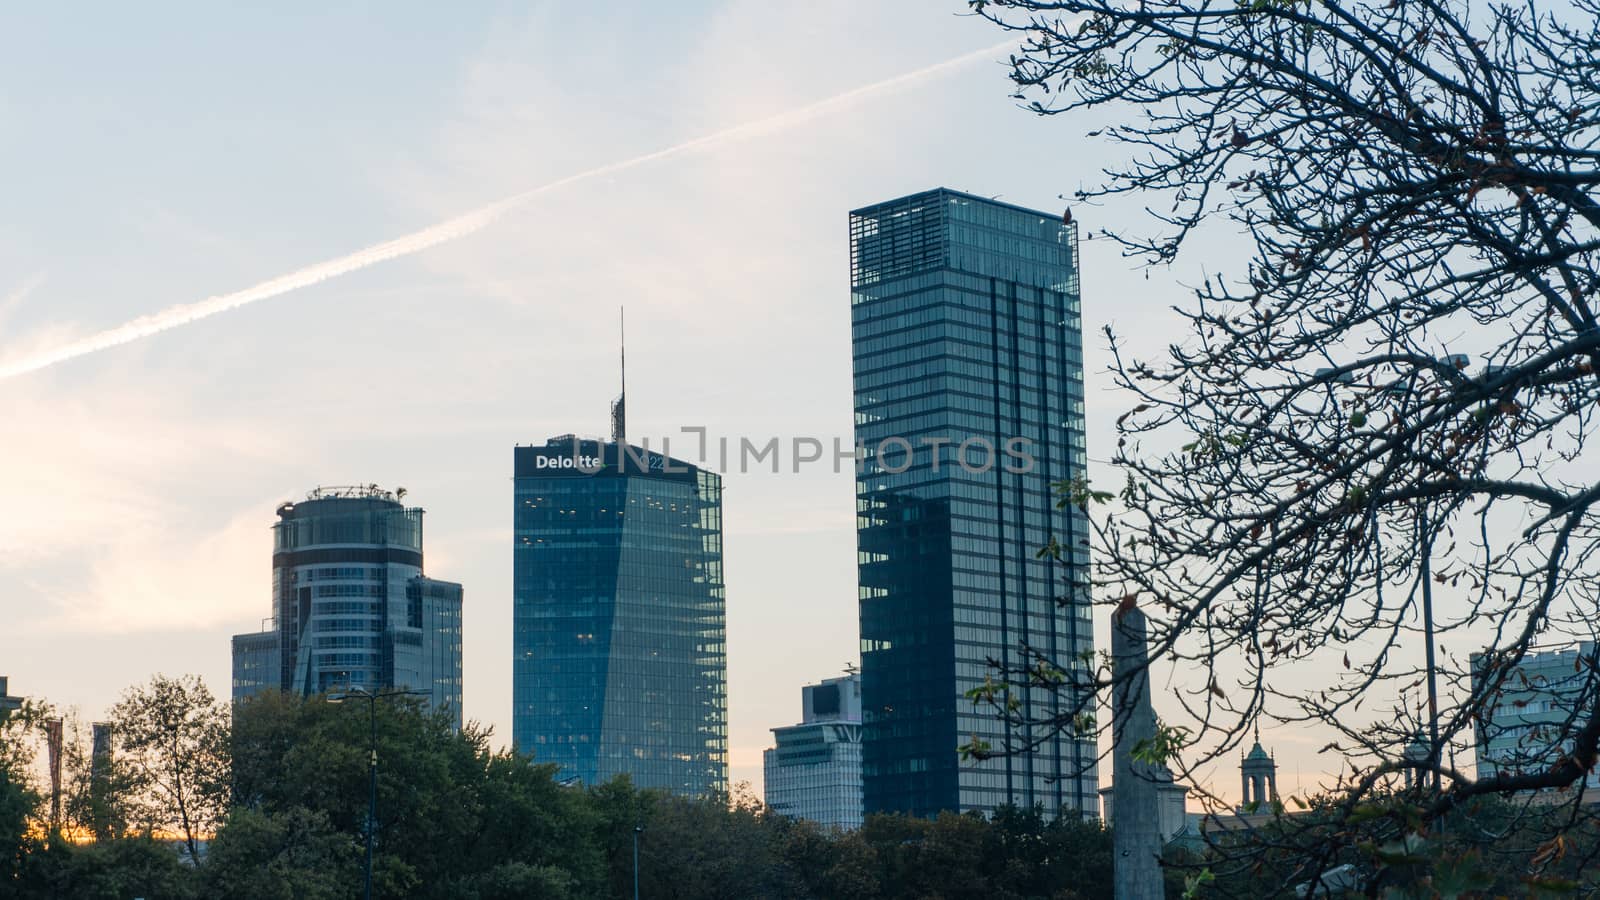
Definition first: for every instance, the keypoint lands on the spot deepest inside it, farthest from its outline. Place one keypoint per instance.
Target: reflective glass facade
(965, 327)
(351, 606)
(618, 632)
(433, 615)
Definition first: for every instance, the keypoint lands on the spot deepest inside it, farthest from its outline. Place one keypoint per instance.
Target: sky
(157, 157)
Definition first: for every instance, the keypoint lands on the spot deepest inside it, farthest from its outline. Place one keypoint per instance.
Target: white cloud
(146, 583)
(14, 298)
(118, 504)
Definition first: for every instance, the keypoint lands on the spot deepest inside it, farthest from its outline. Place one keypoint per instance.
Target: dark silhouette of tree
(294, 853)
(1391, 392)
(455, 819)
(172, 738)
(20, 798)
(458, 819)
(94, 796)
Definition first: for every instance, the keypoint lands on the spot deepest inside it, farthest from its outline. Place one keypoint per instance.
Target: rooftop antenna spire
(619, 415)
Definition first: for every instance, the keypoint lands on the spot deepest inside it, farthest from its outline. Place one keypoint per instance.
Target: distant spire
(619, 414)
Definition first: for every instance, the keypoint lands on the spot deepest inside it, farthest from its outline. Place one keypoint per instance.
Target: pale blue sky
(160, 155)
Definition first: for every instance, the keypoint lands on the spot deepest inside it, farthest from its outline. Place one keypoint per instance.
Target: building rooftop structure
(8, 703)
(814, 771)
(1258, 775)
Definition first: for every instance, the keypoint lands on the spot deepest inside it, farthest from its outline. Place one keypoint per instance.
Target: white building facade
(1542, 703)
(814, 772)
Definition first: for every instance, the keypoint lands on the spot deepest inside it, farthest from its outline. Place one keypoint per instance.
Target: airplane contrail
(454, 228)
(20, 294)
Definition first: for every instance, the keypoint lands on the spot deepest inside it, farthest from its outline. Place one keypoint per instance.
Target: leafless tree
(1393, 392)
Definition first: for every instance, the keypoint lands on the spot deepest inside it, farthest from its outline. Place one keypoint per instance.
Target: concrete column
(1136, 837)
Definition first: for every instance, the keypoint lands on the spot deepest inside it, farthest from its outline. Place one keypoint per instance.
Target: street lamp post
(372, 787)
(1435, 752)
(372, 699)
(637, 830)
(1425, 543)
(1425, 553)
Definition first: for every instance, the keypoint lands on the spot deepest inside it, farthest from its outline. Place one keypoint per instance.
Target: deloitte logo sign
(590, 464)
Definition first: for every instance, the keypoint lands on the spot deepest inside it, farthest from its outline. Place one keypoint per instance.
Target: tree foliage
(457, 819)
(172, 742)
(301, 758)
(1390, 394)
(136, 866)
(96, 797)
(296, 854)
(19, 798)
(1464, 856)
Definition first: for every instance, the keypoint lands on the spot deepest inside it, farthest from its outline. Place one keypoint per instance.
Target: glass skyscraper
(618, 631)
(966, 331)
(351, 606)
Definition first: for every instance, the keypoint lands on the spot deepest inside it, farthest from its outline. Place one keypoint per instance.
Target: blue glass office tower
(966, 328)
(618, 632)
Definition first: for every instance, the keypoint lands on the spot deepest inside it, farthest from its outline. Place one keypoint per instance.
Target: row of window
(961, 342)
(323, 624)
(874, 374)
(392, 527)
(914, 293)
(368, 589)
(931, 391)
(344, 642)
(958, 308)
(346, 607)
(338, 572)
(1046, 350)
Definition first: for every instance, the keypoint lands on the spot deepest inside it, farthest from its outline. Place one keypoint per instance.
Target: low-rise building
(1542, 701)
(814, 772)
(1172, 815)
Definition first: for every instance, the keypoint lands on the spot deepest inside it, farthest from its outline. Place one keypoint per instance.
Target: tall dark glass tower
(618, 632)
(966, 330)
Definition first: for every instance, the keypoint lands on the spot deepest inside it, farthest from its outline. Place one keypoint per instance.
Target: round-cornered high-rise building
(351, 606)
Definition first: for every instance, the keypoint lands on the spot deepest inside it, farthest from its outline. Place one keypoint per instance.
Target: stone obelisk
(1135, 824)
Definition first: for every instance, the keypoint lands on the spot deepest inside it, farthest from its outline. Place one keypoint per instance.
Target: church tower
(1259, 779)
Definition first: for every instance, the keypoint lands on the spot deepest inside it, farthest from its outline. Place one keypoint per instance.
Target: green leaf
(1454, 876)
(1162, 746)
(1193, 883)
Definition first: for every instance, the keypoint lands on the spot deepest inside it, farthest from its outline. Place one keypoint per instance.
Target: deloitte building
(618, 622)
